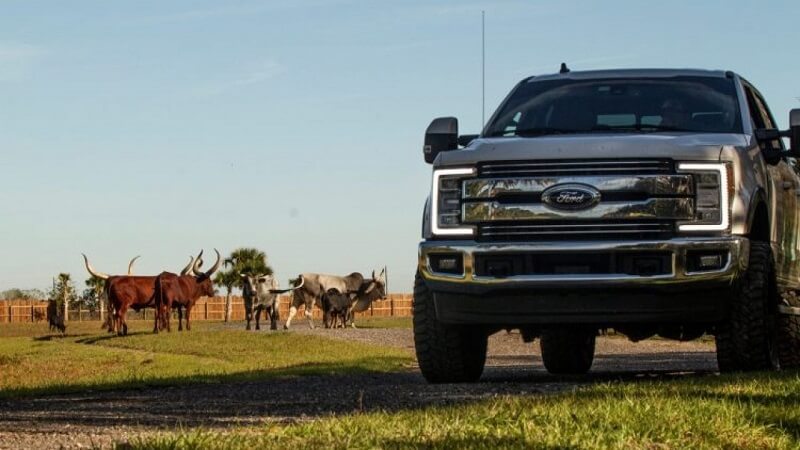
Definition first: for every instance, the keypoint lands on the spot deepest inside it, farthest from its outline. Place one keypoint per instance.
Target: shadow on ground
(217, 401)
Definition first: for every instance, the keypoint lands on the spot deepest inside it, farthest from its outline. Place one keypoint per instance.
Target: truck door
(785, 179)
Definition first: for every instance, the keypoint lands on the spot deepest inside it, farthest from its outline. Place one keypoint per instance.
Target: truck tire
(445, 353)
(789, 341)
(747, 339)
(568, 351)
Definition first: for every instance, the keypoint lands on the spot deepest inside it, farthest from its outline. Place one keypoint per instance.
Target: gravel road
(96, 419)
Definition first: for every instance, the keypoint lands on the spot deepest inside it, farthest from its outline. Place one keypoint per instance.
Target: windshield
(637, 105)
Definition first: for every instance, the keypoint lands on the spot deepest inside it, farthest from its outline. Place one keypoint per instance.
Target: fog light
(710, 262)
(450, 263)
(705, 261)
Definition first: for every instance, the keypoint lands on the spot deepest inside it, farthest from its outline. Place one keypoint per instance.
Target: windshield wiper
(640, 127)
(538, 131)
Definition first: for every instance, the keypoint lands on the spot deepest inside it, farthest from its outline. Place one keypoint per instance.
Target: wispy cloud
(255, 74)
(17, 60)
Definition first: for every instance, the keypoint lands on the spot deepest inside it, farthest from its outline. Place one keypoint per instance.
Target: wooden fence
(206, 308)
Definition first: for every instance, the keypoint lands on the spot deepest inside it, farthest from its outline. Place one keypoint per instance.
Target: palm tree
(242, 260)
(94, 288)
(63, 293)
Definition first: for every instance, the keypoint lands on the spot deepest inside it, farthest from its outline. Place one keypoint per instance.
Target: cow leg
(158, 319)
(248, 315)
(273, 318)
(292, 312)
(119, 319)
(180, 318)
(188, 314)
(258, 317)
(309, 314)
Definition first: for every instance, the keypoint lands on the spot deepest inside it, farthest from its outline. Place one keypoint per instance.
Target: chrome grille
(599, 230)
(581, 167)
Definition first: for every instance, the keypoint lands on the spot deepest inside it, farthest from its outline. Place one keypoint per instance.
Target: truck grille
(561, 230)
(509, 264)
(581, 167)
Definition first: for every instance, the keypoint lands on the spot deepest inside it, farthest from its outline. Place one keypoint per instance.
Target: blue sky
(159, 128)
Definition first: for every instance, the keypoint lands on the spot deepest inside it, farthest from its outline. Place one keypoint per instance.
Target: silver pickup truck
(651, 202)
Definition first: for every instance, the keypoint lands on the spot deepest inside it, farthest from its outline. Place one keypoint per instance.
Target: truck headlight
(446, 202)
(712, 196)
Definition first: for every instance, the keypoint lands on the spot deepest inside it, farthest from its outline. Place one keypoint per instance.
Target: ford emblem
(571, 196)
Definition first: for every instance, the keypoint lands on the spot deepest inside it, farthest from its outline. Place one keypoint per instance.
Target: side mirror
(441, 136)
(794, 131)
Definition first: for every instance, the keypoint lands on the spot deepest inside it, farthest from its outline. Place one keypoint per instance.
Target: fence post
(391, 305)
(206, 310)
(31, 312)
(9, 312)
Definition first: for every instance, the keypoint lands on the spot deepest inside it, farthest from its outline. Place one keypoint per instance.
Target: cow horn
(130, 265)
(185, 270)
(93, 272)
(215, 266)
(198, 262)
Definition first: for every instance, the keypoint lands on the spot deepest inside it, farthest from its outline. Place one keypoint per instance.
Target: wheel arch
(758, 228)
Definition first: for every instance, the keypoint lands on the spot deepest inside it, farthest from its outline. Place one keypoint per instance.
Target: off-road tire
(789, 341)
(747, 339)
(568, 351)
(445, 353)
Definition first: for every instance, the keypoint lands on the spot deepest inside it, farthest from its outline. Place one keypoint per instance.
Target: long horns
(188, 268)
(210, 271)
(93, 272)
(130, 265)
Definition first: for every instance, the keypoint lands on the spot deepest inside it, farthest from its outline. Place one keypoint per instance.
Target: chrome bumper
(736, 246)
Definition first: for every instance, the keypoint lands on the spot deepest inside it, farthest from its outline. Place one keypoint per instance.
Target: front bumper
(679, 296)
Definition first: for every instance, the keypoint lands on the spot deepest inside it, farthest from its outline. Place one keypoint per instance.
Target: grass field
(34, 361)
(745, 411)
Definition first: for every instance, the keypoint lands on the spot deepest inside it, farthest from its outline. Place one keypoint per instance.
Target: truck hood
(679, 146)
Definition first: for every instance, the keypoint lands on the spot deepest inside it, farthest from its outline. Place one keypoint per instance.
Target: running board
(789, 310)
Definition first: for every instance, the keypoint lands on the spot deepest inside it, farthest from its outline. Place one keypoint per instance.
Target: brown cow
(125, 292)
(182, 291)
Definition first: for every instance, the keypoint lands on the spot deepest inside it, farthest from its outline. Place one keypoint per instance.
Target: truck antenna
(483, 68)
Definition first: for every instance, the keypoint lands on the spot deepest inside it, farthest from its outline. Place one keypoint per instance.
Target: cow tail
(159, 300)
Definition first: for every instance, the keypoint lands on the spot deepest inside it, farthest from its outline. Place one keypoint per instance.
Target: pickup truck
(648, 201)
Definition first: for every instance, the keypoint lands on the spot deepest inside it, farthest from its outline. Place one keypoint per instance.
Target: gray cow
(260, 293)
(370, 290)
(311, 287)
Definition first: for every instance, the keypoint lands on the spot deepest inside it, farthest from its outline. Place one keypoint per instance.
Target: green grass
(384, 322)
(745, 411)
(34, 361)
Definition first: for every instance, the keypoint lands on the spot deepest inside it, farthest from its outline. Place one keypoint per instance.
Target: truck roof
(631, 73)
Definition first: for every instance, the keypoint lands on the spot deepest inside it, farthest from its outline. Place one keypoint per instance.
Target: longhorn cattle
(313, 286)
(260, 294)
(333, 301)
(182, 291)
(370, 290)
(124, 292)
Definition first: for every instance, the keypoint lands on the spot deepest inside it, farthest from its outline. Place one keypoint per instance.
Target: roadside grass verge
(708, 412)
(384, 322)
(88, 359)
